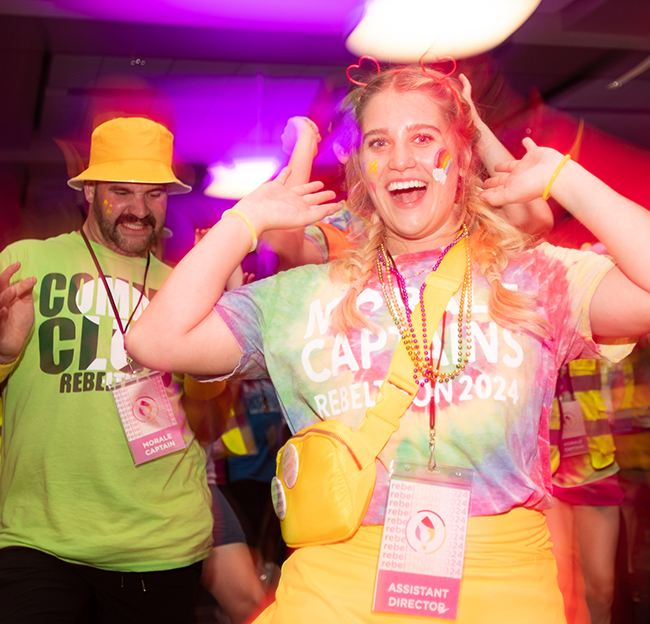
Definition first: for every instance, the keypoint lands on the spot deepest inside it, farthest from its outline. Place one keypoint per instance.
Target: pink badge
(422, 549)
(147, 418)
(574, 432)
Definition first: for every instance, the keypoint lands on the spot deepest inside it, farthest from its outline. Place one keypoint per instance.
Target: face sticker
(370, 167)
(107, 206)
(442, 162)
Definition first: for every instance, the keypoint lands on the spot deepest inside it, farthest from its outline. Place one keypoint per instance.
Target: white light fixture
(401, 31)
(238, 180)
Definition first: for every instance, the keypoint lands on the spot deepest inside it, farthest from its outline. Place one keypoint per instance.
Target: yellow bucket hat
(133, 150)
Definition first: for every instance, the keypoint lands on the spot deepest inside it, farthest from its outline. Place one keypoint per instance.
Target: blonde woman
(326, 336)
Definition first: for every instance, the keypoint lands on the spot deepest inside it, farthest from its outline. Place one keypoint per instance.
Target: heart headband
(358, 66)
(442, 79)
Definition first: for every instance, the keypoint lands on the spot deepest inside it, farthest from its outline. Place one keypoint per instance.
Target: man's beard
(110, 232)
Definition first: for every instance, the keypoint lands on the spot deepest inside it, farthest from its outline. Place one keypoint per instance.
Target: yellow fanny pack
(326, 473)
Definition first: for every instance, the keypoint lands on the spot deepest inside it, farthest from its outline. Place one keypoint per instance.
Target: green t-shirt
(68, 483)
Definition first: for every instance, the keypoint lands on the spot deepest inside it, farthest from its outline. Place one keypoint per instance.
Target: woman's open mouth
(408, 191)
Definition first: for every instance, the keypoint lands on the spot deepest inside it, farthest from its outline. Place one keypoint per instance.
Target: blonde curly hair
(493, 241)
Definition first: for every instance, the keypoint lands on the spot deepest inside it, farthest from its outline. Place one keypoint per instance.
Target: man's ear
(89, 192)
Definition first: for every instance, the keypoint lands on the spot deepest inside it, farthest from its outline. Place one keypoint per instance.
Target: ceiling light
(240, 178)
(402, 31)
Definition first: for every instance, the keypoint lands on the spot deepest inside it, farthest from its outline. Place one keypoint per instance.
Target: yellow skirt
(509, 576)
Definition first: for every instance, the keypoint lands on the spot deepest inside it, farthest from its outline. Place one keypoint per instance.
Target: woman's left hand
(521, 181)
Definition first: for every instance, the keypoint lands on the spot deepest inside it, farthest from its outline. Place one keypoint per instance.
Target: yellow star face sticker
(107, 206)
(372, 167)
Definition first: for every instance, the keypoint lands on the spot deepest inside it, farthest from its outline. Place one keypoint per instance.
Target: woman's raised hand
(520, 181)
(274, 205)
(467, 94)
(299, 128)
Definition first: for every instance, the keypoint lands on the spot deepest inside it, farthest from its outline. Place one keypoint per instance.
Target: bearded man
(102, 519)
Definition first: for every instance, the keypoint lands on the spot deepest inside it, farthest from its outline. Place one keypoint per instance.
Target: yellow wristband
(246, 220)
(547, 190)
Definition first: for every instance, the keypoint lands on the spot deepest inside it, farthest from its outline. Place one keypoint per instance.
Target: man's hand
(16, 313)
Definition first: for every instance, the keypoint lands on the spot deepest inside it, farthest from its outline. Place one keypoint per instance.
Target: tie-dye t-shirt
(493, 418)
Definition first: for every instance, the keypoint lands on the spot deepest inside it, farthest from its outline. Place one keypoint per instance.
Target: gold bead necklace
(422, 356)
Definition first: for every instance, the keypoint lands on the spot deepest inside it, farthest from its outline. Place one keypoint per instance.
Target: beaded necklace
(422, 357)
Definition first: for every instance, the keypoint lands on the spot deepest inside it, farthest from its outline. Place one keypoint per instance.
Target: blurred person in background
(585, 518)
(630, 393)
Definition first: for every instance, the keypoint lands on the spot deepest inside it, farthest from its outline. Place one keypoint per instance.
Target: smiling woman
(431, 248)
(420, 133)
(401, 169)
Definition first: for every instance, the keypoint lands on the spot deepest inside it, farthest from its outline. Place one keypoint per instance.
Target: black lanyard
(108, 291)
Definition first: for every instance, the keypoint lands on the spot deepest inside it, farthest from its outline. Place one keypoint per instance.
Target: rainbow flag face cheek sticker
(442, 162)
